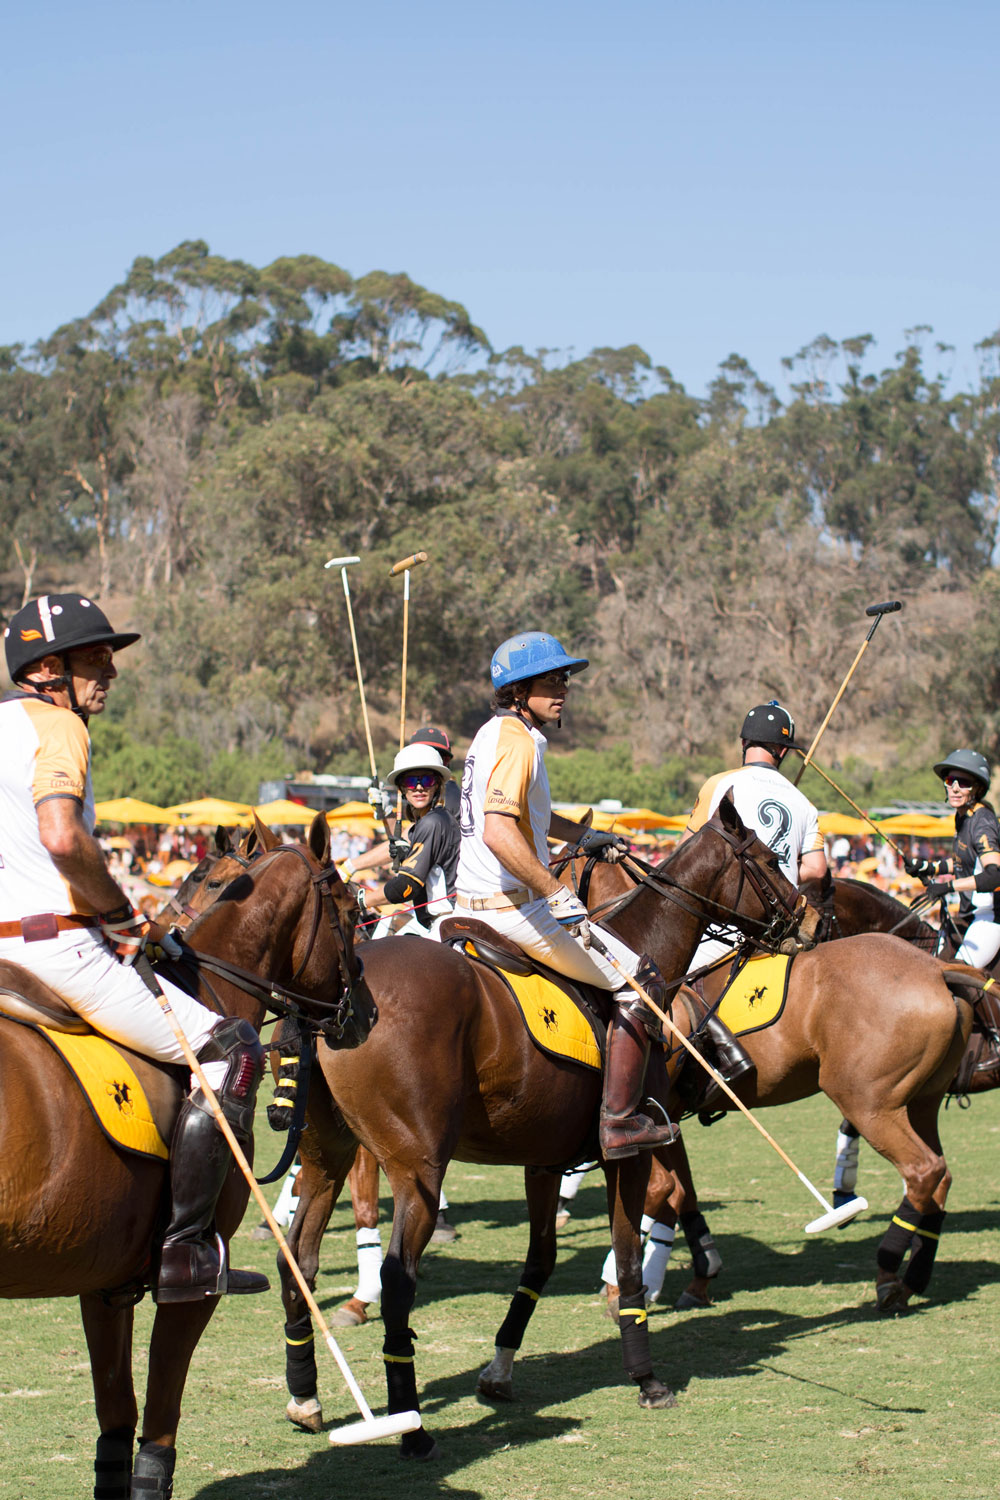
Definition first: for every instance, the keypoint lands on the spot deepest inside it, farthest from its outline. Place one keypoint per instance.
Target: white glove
(570, 912)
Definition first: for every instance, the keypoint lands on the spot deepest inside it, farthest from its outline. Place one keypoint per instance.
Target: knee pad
(235, 1043)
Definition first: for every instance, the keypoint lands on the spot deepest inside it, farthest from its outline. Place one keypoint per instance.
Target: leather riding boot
(731, 1059)
(623, 1131)
(193, 1262)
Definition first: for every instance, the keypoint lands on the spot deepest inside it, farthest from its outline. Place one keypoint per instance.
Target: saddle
(25, 997)
(484, 945)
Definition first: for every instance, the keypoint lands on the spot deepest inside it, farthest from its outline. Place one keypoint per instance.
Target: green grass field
(790, 1388)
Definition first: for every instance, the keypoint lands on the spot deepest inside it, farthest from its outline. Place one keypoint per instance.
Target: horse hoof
(444, 1232)
(349, 1315)
(419, 1445)
(611, 1305)
(306, 1414)
(892, 1297)
(494, 1390)
(655, 1396)
(562, 1215)
(261, 1232)
(688, 1300)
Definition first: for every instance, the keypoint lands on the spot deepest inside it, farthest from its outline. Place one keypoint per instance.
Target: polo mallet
(878, 610)
(870, 821)
(404, 568)
(370, 1427)
(833, 1217)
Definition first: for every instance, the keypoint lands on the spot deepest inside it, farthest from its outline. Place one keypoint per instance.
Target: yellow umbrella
(919, 825)
(132, 810)
(351, 810)
(171, 874)
(211, 810)
(284, 813)
(841, 823)
(642, 818)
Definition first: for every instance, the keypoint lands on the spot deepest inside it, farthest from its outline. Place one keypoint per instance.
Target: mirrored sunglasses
(423, 779)
(954, 779)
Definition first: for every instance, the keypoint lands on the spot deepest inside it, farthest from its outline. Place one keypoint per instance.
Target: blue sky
(695, 178)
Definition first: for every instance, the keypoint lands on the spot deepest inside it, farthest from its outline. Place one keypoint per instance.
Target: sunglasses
(96, 656)
(953, 779)
(424, 781)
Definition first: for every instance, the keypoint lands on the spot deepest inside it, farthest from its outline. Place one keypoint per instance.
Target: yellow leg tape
(295, 1342)
(529, 1293)
(903, 1224)
(398, 1359)
(287, 1083)
(638, 1313)
(988, 985)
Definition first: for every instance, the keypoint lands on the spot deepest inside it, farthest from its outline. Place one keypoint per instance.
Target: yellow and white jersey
(44, 752)
(504, 773)
(780, 815)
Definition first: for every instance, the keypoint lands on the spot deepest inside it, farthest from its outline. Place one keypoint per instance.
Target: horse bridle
(328, 1018)
(784, 916)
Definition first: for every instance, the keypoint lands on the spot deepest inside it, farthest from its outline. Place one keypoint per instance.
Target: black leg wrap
(153, 1472)
(846, 1128)
(705, 1258)
(113, 1464)
(635, 1336)
(400, 1373)
(300, 1358)
(921, 1263)
(279, 1111)
(523, 1304)
(897, 1238)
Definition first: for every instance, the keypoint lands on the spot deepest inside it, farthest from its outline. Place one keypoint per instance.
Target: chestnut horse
(450, 1072)
(78, 1217)
(872, 1022)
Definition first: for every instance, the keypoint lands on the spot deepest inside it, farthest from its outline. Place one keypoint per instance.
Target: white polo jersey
(44, 752)
(781, 816)
(504, 773)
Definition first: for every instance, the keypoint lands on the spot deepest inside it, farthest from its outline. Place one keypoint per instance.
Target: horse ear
(223, 843)
(729, 817)
(826, 884)
(262, 835)
(319, 838)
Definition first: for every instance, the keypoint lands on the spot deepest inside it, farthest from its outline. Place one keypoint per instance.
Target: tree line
(196, 448)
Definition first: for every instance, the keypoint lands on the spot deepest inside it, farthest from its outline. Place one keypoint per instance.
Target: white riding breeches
(81, 968)
(981, 943)
(534, 928)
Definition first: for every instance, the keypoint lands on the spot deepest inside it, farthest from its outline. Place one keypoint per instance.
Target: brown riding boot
(623, 1131)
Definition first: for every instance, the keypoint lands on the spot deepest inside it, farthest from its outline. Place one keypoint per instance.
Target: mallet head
(889, 608)
(407, 563)
(341, 562)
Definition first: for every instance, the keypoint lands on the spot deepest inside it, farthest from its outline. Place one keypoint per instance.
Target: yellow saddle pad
(112, 1090)
(555, 1024)
(756, 997)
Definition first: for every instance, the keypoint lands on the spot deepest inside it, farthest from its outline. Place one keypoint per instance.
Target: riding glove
(570, 912)
(597, 844)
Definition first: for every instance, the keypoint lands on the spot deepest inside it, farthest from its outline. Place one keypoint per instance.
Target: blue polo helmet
(531, 654)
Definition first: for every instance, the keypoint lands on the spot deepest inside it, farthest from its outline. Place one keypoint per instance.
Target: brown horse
(868, 1020)
(79, 1218)
(450, 1072)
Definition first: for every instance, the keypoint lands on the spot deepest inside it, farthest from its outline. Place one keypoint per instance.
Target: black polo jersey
(434, 839)
(976, 832)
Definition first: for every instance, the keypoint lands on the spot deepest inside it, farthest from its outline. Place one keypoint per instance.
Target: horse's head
(286, 905)
(740, 882)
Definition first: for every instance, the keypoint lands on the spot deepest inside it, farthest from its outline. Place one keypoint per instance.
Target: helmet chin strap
(66, 683)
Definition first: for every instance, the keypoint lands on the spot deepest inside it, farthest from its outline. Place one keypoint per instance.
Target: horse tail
(963, 980)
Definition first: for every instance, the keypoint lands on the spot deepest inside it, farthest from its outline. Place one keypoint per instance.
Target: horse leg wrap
(235, 1043)
(845, 1171)
(656, 1258)
(921, 1263)
(522, 1305)
(369, 1265)
(898, 1237)
(279, 1111)
(153, 1472)
(705, 1258)
(300, 1358)
(635, 1336)
(400, 1374)
(113, 1464)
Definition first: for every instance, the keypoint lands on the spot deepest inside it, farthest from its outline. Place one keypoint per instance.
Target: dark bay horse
(450, 1072)
(872, 1022)
(78, 1217)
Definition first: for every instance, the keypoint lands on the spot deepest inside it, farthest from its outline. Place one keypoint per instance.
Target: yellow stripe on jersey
(509, 781)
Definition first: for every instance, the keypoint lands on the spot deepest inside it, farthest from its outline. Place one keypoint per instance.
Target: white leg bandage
(845, 1172)
(284, 1209)
(369, 1266)
(656, 1259)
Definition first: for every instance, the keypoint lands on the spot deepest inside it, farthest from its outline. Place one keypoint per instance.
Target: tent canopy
(837, 823)
(209, 810)
(132, 810)
(285, 814)
(919, 825)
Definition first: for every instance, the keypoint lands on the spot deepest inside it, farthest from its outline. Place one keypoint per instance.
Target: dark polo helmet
(770, 724)
(429, 734)
(969, 762)
(56, 623)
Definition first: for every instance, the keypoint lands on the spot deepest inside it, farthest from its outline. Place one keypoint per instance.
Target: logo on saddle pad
(112, 1090)
(755, 998)
(556, 1025)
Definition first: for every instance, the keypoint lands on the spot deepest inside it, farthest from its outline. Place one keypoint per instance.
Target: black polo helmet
(436, 738)
(969, 763)
(770, 724)
(55, 624)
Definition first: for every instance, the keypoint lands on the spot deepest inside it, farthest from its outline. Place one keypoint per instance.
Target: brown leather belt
(502, 901)
(45, 925)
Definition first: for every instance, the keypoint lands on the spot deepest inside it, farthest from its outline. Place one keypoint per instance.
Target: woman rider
(974, 867)
(425, 878)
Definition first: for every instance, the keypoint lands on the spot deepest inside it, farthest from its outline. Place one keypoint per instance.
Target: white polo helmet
(417, 758)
